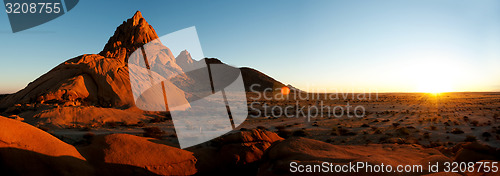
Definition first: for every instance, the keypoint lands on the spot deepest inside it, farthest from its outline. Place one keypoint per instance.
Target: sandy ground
(414, 118)
(427, 119)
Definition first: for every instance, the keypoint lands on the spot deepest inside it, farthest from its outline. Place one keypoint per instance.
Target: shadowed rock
(124, 149)
(238, 152)
(26, 150)
(277, 159)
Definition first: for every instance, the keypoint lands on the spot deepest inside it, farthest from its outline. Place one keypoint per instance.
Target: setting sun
(434, 86)
(285, 90)
(435, 75)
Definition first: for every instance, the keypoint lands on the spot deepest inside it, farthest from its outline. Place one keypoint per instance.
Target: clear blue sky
(336, 45)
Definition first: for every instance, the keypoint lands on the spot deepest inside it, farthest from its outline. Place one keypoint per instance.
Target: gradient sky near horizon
(359, 45)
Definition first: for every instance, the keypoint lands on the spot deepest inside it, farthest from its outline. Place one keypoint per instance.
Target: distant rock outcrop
(261, 80)
(184, 60)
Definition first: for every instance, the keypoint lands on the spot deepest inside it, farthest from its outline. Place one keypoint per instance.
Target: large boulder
(303, 151)
(473, 151)
(88, 79)
(27, 150)
(238, 152)
(123, 154)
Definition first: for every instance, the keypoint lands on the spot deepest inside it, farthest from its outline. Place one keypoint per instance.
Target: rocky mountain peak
(130, 35)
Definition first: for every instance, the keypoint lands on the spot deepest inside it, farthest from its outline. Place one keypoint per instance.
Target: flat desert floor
(430, 120)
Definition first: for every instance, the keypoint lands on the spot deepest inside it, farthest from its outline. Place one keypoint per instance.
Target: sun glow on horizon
(436, 75)
(434, 86)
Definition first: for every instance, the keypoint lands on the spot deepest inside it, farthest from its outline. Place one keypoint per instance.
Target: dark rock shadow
(14, 161)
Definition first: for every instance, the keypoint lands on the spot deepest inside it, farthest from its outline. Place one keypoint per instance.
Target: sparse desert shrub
(470, 138)
(157, 119)
(301, 133)
(335, 131)
(457, 131)
(434, 119)
(403, 131)
(433, 127)
(280, 127)
(284, 133)
(261, 127)
(383, 139)
(345, 132)
(43, 128)
(86, 128)
(466, 118)
(88, 136)
(427, 135)
(474, 122)
(140, 124)
(486, 134)
(111, 124)
(153, 132)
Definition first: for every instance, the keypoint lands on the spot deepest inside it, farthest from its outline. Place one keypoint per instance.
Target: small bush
(433, 127)
(469, 138)
(403, 131)
(111, 124)
(345, 132)
(153, 132)
(301, 133)
(486, 134)
(427, 135)
(261, 127)
(280, 127)
(474, 122)
(456, 131)
(284, 133)
(140, 124)
(88, 136)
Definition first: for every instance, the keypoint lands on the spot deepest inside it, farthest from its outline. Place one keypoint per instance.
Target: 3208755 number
(33, 7)
(471, 166)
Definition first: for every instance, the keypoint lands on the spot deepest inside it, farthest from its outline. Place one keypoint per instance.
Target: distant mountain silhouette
(252, 76)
